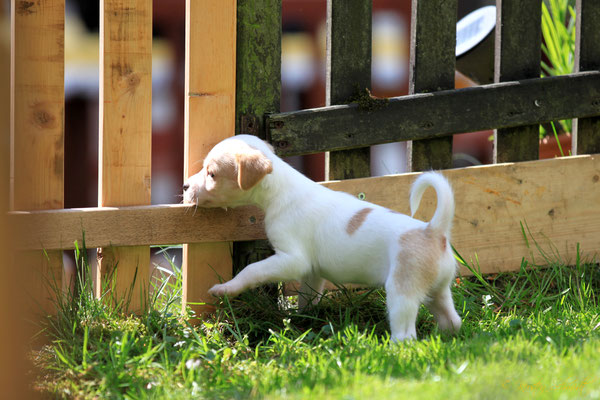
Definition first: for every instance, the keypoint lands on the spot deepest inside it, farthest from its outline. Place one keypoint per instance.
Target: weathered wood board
(348, 72)
(257, 89)
(557, 199)
(428, 115)
(432, 65)
(517, 56)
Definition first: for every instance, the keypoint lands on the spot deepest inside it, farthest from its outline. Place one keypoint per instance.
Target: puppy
(322, 234)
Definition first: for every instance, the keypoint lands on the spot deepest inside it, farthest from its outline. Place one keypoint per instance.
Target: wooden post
(258, 89)
(125, 136)
(37, 130)
(432, 65)
(13, 339)
(586, 131)
(517, 56)
(209, 118)
(348, 74)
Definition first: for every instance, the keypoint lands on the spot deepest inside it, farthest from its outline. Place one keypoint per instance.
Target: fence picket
(348, 74)
(432, 64)
(517, 56)
(125, 135)
(209, 118)
(37, 128)
(586, 131)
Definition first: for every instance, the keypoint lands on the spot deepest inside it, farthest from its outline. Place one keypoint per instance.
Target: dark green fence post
(258, 88)
(517, 56)
(587, 58)
(432, 65)
(348, 74)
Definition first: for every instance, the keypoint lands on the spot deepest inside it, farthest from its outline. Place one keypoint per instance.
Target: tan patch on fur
(357, 220)
(418, 261)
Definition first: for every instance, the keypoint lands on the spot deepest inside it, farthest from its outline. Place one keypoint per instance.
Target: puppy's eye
(211, 174)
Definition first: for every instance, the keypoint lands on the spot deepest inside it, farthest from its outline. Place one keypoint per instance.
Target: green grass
(530, 334)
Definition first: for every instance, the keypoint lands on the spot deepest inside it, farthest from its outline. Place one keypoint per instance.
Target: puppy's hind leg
(402, 310)
(440, 304)
(310, 290)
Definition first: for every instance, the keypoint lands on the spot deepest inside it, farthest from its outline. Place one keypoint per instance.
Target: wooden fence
(233, 84)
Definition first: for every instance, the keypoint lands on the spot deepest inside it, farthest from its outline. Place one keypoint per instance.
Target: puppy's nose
(186, 186)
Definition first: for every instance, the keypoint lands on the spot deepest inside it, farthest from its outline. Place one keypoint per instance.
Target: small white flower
(192, 363)
(487, 300)
(150, 385)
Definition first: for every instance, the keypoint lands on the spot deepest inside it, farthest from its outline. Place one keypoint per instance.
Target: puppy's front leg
(280, 267)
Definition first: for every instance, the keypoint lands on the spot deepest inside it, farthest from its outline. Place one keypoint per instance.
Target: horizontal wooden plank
(429, 115)
(557, 199)
(135, 226)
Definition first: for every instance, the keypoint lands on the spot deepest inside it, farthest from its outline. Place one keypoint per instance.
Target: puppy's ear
(252, 167)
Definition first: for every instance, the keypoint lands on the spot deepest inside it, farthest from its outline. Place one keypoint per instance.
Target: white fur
(307, 225)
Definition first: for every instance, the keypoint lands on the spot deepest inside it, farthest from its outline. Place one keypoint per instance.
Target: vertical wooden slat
(517, 56)
(13, 370)
(587, 57)
(209, 118)
(37, 128)
(258, 89)
(348, 73)
(432, 65)
(125, 133)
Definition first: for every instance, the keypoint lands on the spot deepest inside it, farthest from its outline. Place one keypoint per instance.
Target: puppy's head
(229, 173)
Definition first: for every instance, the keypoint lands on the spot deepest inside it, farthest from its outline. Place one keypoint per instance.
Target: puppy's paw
(222, 289)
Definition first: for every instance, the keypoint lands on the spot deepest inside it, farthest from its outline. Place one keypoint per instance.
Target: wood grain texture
(14, 338)
(134, 226)
(348, 73)
(430, 115)
(432, 65)
(556, 198)
(125, 132)
(587, 58)
(517, 56)
(37, 126)
(209, 118)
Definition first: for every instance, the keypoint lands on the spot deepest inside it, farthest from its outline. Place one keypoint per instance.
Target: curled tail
(442, 218)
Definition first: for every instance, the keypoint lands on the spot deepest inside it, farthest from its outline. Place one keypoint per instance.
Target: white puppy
(321, 234)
